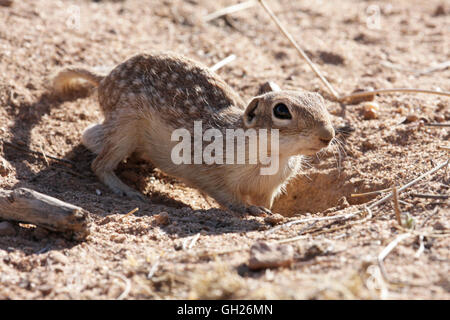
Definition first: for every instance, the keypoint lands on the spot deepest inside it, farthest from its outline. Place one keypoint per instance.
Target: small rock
(118, 238)
(266, 255)
(5, 167)
(439, 118)
(6, 3)
(45, 289)
(314, 251)
(440, 11)
(370, 110)
(411, 118)
(274, 219)
(342, 203)
(439, 226)
(162, 218)
(7, 229)
(58, 257)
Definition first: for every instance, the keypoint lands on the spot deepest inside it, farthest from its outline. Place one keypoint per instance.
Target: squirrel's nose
(326, 134)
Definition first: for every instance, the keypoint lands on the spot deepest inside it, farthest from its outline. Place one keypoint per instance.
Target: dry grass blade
(396, 205)
(429, 196)
(131, 212)
(228, 10)
(223, 62)
(437, 124)
(384, 253)
(370, 193)
(299, 50)
(440, 66)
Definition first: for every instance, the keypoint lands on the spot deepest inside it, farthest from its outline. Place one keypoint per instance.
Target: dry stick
(383, 254)
(437, 124)
(131, 212)
(43, 153)
(440, 66)
(299, 50)
(444, 148)
(25, 205)
(429, 196)
(371, 206)
(396, 206)
(225, 61)
(127, 289)
(377, 192)
(228, 10)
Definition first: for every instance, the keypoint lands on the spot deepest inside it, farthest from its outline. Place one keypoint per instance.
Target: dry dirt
(142, 257)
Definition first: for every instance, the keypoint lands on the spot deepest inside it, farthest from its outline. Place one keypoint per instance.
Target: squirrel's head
(301, 117)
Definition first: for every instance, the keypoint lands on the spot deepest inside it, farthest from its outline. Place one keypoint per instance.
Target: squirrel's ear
(250, 113)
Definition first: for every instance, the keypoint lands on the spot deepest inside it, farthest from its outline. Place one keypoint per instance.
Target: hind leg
(117, 145)
(93, 137)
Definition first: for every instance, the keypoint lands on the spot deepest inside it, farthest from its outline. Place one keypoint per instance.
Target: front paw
(259, 211)
(252, 210)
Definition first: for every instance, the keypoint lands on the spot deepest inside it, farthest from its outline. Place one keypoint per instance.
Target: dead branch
(25, 205)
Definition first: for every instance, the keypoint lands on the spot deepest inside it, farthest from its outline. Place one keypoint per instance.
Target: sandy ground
(357, 44)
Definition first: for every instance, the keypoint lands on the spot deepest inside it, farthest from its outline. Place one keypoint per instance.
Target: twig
(131, 212)
(437, 124)
(228, 10)
(396, 206)
(429, 196)
(444, 148)
(383, 254)
(440, 66)
(194, 241)
(355, 195)
(379, 91)
(153, 269)
(421, 247)
(299, 50)
(223, 62)
(43, 153)
(127, 289)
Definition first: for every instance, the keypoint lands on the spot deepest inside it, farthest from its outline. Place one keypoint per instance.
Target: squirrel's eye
(281, 111)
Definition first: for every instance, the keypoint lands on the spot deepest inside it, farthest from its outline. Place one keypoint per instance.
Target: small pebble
(58, 257)
(439, 226)
(274, 219)
(118, 238)
(270, 255)
(370, 110)
(162, 218)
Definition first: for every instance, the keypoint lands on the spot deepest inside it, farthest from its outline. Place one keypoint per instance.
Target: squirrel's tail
(73, 79)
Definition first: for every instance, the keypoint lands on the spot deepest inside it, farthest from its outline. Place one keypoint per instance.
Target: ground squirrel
(147, 97)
